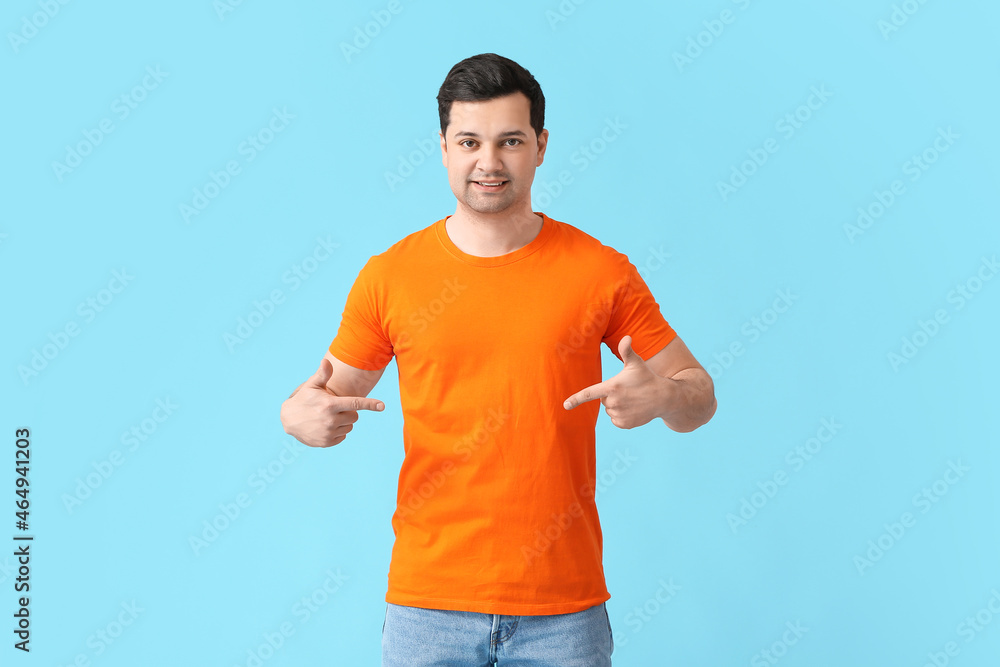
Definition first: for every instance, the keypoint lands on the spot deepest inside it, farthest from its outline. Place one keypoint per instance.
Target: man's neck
(492, 235)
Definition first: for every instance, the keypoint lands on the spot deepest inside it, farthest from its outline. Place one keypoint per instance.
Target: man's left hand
(632, 398)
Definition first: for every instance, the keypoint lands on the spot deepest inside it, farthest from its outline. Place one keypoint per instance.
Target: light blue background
(652, 191)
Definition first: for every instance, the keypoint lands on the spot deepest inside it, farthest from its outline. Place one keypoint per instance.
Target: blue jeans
(417, 637)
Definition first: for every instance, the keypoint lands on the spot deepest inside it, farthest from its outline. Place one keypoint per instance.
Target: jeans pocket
(384, 619)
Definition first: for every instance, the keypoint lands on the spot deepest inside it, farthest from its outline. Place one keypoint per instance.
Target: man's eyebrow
(508, 133)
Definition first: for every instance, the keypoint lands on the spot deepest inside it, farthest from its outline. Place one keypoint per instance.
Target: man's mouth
(490, 185)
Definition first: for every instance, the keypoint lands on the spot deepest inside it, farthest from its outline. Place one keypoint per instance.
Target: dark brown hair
(485, 77)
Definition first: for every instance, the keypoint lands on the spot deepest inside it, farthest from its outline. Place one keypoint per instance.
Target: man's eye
(464, 142)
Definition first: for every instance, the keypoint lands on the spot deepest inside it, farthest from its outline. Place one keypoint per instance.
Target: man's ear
(543, 143)
(444, 149)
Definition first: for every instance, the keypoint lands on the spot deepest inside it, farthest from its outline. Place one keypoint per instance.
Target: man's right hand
(317, 417)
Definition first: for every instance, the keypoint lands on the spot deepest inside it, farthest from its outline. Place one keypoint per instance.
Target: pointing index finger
(591, 393)
(361, 403)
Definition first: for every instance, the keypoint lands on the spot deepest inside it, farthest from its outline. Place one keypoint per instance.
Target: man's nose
(489, 160)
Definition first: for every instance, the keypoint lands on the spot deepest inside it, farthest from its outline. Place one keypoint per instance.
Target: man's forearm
(689, 398)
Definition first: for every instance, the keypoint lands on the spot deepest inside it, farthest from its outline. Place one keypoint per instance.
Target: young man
(495, 315)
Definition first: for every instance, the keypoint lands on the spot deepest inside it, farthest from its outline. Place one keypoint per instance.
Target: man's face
(492, 142)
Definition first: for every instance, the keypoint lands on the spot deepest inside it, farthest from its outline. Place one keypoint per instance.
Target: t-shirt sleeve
(637, 314)
(361, 340)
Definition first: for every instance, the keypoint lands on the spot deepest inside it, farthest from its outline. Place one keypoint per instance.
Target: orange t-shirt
(495, 506)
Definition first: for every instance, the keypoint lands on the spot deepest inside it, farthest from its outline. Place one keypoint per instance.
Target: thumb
(322, 375)
(629, 356)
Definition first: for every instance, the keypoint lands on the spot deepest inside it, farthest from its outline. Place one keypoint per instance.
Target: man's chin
(487, 206)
